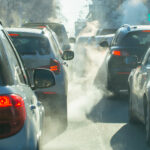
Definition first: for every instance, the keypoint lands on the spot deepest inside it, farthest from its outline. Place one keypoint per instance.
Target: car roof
(42, 23)
(107, 35)
(130, 28)
(25, 30)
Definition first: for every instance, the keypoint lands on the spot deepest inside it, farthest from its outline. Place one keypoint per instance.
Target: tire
(39, 144)
(147, 124)
(108, 83)
(110, 88)
(131, 116)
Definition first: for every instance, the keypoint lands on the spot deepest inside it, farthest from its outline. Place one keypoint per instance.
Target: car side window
(16, 70)
(55, 47)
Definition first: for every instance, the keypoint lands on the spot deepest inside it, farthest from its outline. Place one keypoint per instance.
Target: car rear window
(106, 31)
(136, 39)
(59, 29)
(31, 45)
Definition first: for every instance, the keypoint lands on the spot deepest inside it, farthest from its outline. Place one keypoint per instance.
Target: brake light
(5, 101)
(12, 115)
(119, 53)
(42, 26)
(55, 66)
(13, 34)
(116, 53)
(146, 31)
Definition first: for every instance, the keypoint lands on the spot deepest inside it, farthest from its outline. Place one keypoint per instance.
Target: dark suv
(128, 41)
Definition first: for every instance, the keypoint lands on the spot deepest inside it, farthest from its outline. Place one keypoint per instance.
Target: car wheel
(130, 111)
(39, 144)
(108, 83)
(148, 124)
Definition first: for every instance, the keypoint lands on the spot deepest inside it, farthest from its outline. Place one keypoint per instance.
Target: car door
(135, 88)
(141, 81)
(21, 81)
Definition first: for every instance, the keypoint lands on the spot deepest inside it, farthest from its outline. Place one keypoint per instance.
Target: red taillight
(116, 53)
(55, 66)
(5, 101)
(145, 30)
(12, 114)
(13, 34)
(119, 53)
(42, 27)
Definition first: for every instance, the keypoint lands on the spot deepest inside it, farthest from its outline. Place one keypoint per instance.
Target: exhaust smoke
(16, 12)
(134, 12)
(83, 95)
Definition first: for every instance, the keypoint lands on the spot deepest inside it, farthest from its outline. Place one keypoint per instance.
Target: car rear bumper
(25, 139)
(119, 80)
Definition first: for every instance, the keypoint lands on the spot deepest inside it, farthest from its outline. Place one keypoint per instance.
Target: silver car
(39, 48)
(21, 114)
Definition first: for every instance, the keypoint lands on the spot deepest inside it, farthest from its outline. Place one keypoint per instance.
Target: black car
(128, 41)
(139, 87)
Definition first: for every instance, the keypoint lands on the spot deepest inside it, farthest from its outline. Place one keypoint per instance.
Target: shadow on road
(110, 110)
(130, 137)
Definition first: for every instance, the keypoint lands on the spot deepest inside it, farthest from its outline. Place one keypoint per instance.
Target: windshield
(31, 45)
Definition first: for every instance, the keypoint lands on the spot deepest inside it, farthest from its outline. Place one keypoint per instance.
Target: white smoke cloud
(82, 94)
(134, 12)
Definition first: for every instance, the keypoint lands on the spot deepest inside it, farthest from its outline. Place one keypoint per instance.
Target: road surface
(105, 127)
(96, 121)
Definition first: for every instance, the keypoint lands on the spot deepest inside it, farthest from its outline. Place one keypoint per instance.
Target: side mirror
(68, 55)
(72, 40)
(66, 47)
(43, 78)
(104, 44)
(132, 60)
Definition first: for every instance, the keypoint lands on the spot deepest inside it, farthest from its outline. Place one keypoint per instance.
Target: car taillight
(12, 114)
(119, 53)
(13, 34)
(42, 27)
(145, 30)
(55, 66)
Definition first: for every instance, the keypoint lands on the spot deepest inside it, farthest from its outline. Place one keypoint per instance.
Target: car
(39, 48)
(58, 28)
(139, 89)
(128, 41)
(101, 38)
(105, 31)
(21, 114)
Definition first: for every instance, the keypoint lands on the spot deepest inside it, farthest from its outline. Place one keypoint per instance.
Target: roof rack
(127, 26)
(46, 28)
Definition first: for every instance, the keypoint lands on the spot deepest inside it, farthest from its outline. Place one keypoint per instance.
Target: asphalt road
(106, 127)
(96, 121)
